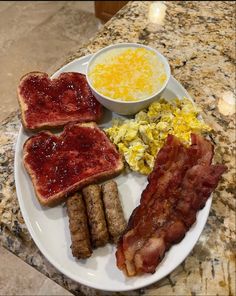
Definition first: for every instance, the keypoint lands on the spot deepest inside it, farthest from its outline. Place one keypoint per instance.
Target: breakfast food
(178, 187)
(113, 210)
(127, 74)
(47, 103)
(139, 139)
(60, 165)
(81, 247)
(96, 217)
(91, 221)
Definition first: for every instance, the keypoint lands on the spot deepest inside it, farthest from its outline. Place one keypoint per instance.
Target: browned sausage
(113, 210)
(81, 247)
(96, 217)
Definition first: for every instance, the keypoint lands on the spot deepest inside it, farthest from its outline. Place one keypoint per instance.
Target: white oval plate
(49, 226)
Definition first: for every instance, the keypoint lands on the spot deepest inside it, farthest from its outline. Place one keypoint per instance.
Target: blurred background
(38, 35)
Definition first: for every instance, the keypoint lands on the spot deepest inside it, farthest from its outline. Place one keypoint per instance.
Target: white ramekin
(128, 107)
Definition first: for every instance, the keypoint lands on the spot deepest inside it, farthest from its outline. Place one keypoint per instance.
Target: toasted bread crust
(22, 105)
(62, 195)
(46, 124)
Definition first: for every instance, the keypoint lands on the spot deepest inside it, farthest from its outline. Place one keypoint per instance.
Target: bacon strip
(179, 186)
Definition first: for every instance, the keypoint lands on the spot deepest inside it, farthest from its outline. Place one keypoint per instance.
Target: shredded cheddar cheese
(127, 74)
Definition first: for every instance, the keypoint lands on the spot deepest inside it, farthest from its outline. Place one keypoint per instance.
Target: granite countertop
(198, 38)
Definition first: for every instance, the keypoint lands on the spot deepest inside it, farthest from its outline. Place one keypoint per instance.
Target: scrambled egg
(140, 139)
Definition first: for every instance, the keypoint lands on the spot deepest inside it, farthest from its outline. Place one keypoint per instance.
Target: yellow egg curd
(127, 74)
(140, 139)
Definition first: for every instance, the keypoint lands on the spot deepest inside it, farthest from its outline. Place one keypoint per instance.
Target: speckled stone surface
(198, 38)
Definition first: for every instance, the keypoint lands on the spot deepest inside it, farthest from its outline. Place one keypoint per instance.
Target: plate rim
(40, 245)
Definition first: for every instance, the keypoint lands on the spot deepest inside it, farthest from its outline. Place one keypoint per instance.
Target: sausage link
(81, 247)
(96, 217)
(113, 210)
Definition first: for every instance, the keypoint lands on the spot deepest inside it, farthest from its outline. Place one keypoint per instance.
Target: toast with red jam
(48, 103)
(62, 164)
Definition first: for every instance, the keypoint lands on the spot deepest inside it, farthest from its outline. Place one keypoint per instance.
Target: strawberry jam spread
(58, 101)
(59, 162)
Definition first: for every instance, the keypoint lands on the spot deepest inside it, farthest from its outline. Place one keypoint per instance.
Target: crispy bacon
(178, 187)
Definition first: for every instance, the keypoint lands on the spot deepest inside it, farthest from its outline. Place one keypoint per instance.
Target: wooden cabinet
(104, 10)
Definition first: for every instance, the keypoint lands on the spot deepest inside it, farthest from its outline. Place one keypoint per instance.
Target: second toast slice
(59, 165)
